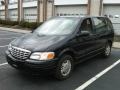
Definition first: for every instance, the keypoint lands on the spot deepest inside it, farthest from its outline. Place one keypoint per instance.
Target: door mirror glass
(84, 33)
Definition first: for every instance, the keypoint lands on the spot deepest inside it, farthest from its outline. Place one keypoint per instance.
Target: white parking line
(10, 34)
(3, 64)
(86, 84)
(9, 38)
(3, 46)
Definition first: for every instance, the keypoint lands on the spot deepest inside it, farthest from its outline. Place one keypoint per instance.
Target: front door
(86, 43)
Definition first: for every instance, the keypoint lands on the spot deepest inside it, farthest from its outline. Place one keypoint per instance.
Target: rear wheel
(64, 67)
(107, 50)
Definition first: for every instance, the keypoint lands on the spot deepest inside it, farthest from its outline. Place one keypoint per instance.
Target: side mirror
(84, 33)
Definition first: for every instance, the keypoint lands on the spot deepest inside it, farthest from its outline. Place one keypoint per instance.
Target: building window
(29, 0)
(57, 14)
(12, 1)
(2, 2)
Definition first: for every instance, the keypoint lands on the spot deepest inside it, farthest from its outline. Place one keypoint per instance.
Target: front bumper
(31, 64)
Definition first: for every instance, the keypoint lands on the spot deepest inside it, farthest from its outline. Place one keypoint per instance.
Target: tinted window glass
(100, 24)
(58, 26)
(109, 24)
(86, 25)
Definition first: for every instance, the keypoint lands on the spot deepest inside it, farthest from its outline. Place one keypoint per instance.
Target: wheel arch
(110, 42)
(69, 52)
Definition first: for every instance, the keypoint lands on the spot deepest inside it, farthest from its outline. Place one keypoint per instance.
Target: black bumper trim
(31, 64)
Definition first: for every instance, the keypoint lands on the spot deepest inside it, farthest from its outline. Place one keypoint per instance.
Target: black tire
(107, 50)
(58, 71)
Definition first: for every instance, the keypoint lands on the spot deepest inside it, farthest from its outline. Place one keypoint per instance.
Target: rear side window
(99, 24)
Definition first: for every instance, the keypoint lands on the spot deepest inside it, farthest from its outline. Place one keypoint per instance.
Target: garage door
(2, 14)
(113, 11)
(70, 10)
(30, 14)
(13, 14)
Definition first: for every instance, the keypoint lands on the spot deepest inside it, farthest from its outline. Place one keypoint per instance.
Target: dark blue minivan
(60, 43)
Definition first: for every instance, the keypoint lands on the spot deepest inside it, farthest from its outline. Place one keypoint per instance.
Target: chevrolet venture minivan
(60, 43)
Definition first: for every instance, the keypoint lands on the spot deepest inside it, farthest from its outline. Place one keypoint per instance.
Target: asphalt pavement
(11, 79)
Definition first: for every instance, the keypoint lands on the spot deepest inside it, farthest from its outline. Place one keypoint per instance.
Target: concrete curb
(116, 45)
(14, 30)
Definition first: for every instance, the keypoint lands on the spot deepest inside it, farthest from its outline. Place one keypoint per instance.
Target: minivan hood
(33, 42)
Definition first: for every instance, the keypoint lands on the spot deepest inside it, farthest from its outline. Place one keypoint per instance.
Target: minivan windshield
(57, 26)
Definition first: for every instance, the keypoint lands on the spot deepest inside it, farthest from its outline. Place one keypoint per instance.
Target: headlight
(42, 55)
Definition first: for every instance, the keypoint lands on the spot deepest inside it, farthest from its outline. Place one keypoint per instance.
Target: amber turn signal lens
(51, 56)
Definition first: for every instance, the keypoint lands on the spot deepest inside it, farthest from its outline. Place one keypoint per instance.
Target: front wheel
(64, 67)
(107, 50)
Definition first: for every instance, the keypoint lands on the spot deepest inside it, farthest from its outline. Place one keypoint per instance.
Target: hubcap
(66, 67)
(107, 51)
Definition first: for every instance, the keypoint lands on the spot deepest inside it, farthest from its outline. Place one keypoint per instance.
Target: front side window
(58, 26)
(100, 24)
(86, 25)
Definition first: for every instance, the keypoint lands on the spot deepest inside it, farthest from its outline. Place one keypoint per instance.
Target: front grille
(19, 53)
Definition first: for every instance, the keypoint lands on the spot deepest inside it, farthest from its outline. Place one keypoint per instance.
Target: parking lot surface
(11, 79)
